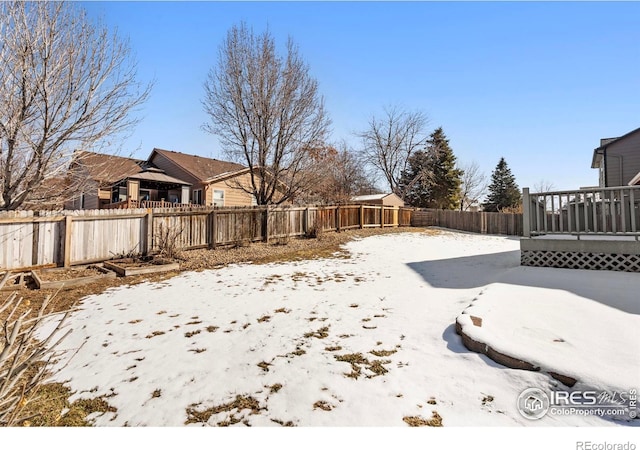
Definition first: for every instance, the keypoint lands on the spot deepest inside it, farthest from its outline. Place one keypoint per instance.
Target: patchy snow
(270, 334)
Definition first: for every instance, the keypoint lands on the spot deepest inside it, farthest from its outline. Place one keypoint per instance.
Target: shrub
(24, 358)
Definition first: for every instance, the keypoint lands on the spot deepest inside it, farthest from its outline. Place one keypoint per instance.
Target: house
(166, 178)
(618, 160)
(213, 182)
(103, 181)
(389, 199)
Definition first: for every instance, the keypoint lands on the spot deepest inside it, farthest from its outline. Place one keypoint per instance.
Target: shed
(389, 199)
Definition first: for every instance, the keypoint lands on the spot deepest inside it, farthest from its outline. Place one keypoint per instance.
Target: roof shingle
(200, 167)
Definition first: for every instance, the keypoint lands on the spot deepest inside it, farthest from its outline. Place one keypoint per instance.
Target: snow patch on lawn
(365, 341)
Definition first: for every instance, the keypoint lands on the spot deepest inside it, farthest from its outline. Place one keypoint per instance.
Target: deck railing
(132, 204)
(594, 211)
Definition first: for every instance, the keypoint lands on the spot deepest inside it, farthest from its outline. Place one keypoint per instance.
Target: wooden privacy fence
(65, 238)
(475, 222)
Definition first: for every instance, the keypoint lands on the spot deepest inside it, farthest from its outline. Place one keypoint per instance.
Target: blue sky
(538, 83)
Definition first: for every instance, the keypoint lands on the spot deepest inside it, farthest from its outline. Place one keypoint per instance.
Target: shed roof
(364, 198)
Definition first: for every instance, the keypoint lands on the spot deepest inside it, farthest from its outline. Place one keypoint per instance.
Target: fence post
(266, 224)
(361, 216)
(149, 237)
(68, 220)
(306, 221)
(338, 218)
(212, 229)
(35, 241)
(526, 213)
(381, 216)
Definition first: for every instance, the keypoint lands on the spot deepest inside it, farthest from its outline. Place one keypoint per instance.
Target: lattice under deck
(578, 260)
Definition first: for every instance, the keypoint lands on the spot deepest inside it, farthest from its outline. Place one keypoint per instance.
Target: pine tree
(432, 179)
(415, 182)
(445, 190)
(503, 190)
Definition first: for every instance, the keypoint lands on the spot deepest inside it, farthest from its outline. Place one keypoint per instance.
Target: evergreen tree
(432, 179)
(415, 182)
(503, 190)
(446, 180)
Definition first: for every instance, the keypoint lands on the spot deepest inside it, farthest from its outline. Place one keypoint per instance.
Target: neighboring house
(618, 160)
(390, 199)
(214, 182)
(166, 176)
(104, 180)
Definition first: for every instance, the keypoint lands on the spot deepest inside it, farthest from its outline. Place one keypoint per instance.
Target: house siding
(623, 160)
(233, 195)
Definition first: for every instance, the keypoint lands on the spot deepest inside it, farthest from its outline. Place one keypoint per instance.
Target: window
(197, 196)
(218, 197)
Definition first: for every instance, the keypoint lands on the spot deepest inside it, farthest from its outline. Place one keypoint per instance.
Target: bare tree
(544, 186)
(473, 186)
(267, 112)
(343, 175)
(391, 140)
(66, 84)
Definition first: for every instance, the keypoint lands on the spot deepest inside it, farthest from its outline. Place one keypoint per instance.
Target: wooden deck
(597, 228)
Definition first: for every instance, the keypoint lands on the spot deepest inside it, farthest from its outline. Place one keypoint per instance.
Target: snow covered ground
(362, 341)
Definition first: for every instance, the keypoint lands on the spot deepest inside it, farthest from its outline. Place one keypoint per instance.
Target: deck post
(526, 213)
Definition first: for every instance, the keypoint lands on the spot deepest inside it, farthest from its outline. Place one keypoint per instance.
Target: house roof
(107, 168)
(635, 180)
(155, 175)
(597, 152)
(365, 198)
(200, 167)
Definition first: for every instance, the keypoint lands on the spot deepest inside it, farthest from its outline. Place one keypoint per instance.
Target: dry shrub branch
(23, 357)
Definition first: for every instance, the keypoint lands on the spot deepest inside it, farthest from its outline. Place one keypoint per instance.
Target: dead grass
(333, 348)
(53, 398)
(358, 362)
(417, 421)
(381, 353)
(298, 352)
(322, 405)
(154, 334)
(238, 404)
(283, 423)
(320, 334)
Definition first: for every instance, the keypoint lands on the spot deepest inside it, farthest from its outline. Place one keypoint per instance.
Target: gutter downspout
(604, 159)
